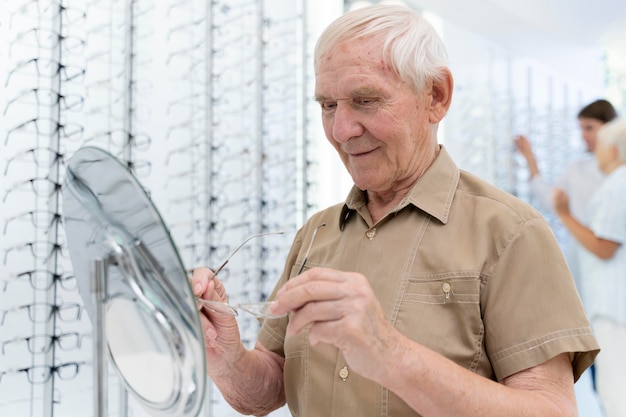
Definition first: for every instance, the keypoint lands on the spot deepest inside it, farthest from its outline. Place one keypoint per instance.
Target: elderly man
(428, 292)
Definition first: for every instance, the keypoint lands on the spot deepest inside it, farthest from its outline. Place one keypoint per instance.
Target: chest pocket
(444, 315)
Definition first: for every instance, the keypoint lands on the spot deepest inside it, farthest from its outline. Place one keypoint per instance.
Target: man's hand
(342, 310)
(221, 333)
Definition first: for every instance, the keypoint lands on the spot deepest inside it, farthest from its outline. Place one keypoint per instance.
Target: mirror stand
(99, 340)
(101, 379)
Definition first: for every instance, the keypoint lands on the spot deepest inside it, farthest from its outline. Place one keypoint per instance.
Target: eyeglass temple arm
(217, 271)
(306, 254)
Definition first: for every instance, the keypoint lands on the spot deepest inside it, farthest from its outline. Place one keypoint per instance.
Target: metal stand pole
(99, 340)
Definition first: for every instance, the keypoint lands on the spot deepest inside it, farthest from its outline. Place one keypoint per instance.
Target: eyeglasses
(189, 102)
(38, 156)
(187, 128)
(47, 97)
(187, 50)
(122, 138)
(40, 219)
(228, 86)
(40, 374)
(43, 312)
(242, 11)
(240, 177)
(43, 279)
(258, 309)
(25, 9)
(49, 68)
(46, 39)
(69, 15)
(40, 186)
(225, 204)
(186, 151)
(174, 181)
(191, 226)
(45, 126)
(40, 250)
(42, 343)
(116, 89)
(279, 36)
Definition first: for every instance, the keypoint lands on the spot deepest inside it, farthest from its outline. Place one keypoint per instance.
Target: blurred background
(209, 103)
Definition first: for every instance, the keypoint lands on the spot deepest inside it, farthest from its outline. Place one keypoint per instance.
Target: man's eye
(328, 105)
(366, 101)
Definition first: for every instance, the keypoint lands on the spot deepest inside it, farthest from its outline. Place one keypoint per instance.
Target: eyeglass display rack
(204, 102)
(44, 353)
(235, 141)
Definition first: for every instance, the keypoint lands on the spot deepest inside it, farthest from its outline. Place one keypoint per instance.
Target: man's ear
(441, 94)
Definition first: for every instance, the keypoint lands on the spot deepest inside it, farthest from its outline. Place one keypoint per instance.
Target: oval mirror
(151, 324)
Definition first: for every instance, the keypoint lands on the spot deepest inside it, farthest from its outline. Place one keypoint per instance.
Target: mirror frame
(110, 219)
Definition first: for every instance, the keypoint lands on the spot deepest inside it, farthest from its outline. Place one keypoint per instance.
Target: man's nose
(346, 123)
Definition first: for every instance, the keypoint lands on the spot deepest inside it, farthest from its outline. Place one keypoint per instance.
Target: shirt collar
(432, 192)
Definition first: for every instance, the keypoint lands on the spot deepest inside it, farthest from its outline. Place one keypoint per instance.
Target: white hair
(414, 49)
(614, 133)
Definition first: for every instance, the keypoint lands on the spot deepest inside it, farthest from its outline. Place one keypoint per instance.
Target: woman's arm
(602, 248)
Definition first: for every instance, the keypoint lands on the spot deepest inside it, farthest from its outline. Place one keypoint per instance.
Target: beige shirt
(460, 267)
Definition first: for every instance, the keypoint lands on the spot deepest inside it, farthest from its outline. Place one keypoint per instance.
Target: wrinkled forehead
(353, 51)
(354, 65)
(341, 78)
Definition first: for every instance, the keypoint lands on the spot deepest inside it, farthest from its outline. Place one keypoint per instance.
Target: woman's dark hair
(600, 110)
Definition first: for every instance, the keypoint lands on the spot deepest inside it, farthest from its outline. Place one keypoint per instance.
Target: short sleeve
(531, 309)
(608, 220)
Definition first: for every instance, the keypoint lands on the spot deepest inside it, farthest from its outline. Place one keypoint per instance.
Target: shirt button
(344, 373)
(446, 290)
(371, 233)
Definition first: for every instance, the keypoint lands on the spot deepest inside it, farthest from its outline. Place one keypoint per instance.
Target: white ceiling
(537, 25)
(567, 35)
